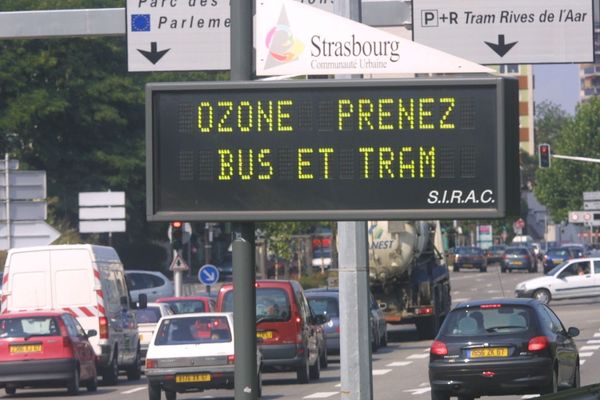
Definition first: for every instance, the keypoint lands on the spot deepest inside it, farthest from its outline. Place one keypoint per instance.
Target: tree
(560, 187)
(550, 120)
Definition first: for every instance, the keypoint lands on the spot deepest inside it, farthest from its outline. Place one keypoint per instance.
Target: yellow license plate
(264, 335)
(192, 378)
(489, 352)
(25, 348)
(557, 261)
(517, 262)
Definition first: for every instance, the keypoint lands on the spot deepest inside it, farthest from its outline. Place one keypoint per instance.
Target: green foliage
(279, 236)
(313, 280)
(560, 187)
(550, 119)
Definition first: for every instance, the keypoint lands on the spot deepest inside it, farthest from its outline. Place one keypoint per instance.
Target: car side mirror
(92, 333)
(142, 301)
(321, 319)
(573, 332)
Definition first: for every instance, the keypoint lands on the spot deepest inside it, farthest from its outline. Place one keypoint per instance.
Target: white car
(147, 319)
(192, 352)
(153, 284)
(579, 277)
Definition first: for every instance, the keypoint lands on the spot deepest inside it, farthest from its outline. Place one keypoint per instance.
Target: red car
(189, 304)
(45, 349)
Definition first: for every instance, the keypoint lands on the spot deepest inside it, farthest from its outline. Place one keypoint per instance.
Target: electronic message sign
(332, 149)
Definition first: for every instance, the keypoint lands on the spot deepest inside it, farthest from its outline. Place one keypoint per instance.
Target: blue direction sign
(208, 274)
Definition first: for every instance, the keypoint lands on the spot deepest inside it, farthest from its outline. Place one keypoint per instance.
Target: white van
(87, 281)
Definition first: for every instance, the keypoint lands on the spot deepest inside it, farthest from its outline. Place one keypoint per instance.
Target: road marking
(418, 356)
(399, 364)
(581, 362)
(595, 347)
(586, 354)
(593, 341)
(418, 391)
(321, 395)
(381, 371)
(597, 334)
(137, 389)
(530, 396)
(338, 385)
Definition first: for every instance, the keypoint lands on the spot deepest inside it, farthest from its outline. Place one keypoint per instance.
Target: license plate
(557, 261)
(25, 348)
(192, 378)
(489, 352)
(467, 265)
(517, 262)
(264, 335)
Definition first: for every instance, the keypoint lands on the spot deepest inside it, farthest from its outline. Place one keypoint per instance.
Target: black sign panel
(332, 149)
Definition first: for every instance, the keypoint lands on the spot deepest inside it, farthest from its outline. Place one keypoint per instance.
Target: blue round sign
(208, 274)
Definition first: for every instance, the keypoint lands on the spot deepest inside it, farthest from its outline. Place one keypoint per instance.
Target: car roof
(503, 301)
(177, 298)
(144, 271)
(200, 314)
(322, 292)
(34, 313)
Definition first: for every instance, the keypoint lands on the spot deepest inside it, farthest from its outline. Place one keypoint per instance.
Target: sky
(558, 83)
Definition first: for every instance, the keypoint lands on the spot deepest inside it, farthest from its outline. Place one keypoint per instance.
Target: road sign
(91, 226)
(24, 210)
(294, 39)
(24, 234)
(319, 149)
(507, 31)
(178, 265)
(520, 224)
(12, 165)
(208, 274)
(591, 205)
(590, 196)
(93, 199)
(580, 217)
(24, 185)
(178, 35)
(102, 213)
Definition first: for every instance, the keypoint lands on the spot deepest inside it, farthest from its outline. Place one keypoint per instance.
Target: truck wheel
(110, 373)
(302, 372)
(134, 371)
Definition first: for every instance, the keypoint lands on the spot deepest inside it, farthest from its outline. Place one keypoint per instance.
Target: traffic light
(176, 235)
(544, 155)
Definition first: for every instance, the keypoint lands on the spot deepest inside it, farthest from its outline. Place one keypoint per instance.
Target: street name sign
(102, 212)
(336, 150)
(24, 185)
(591, 196)
(25, 211)
(507, 31)
(23, 233)
(591, 205)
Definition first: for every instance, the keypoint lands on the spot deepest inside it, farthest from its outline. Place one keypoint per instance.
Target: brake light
(538, 343)
(439, 348)
(424, 311)
(231, 359)
(151, 363)
(484, 306)
(103, 322)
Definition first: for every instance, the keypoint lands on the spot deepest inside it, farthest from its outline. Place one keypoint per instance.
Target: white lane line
(530, 396)
(597, 334)
(399, 364)
(418, 391)
(381, 371)
(586, 354)
(418, 356)
(594, 347)
(581, 362)
(137, 389)
(593, 341)
(321, 395)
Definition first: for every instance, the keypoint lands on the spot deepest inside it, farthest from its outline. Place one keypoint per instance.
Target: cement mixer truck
(408, 275)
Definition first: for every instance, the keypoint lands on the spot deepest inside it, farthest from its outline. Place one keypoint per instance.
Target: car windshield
(147, 315)
(187, 306)
(496, 320)
(327, 306)
(557, 253)
(271, 304)
(470, 251)
(27, 327)
(193, 330)
(518, 252)
(555, 270)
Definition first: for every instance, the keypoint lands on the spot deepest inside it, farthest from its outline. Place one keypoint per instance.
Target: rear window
(187, 306)
(557, 253)
(470, 251)
(324, 305)
(519, 252)
(147, 315)
(272, 304)
(27, 327)
(488, 321)
(193, 330)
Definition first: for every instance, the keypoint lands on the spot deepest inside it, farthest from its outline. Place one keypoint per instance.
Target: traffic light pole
(584, 159)
(177, 277)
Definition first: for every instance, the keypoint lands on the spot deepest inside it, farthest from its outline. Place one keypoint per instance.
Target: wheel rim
(542, 296)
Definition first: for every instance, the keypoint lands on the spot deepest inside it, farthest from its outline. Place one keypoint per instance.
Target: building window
(509, 69)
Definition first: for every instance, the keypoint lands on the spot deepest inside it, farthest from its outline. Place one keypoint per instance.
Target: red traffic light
(544, 155)
(177, 224)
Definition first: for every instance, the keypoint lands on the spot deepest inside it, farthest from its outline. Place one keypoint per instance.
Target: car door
(566, 350)
(596, 277)
(572, 284)
(309, 326)
(83, 350)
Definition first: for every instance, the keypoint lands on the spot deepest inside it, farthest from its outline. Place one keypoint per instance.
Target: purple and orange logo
(282, 44)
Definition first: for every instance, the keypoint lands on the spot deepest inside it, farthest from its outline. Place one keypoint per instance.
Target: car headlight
(520, 286)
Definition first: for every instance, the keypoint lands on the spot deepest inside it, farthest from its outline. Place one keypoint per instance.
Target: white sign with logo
(295, 39)
(508, 31)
